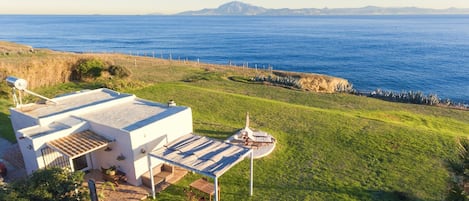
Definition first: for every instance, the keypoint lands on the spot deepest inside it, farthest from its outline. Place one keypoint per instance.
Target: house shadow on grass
(393, 195)
(221, 135)
(6, 130)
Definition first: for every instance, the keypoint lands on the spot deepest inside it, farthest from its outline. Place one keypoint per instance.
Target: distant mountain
(242, 9)
(232, 8)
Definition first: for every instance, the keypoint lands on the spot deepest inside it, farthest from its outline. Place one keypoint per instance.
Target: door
(81, 163)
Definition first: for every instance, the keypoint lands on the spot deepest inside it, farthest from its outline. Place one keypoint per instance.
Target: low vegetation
(119, 71)
(54, 184)
(88, 68)
(330, 146)
(324, 154)
(410, 97)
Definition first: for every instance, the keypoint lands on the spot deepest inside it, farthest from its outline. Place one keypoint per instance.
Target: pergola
(203, 155)
(73, 146)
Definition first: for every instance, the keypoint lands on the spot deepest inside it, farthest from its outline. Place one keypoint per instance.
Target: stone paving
(124, 191)
(10, 154)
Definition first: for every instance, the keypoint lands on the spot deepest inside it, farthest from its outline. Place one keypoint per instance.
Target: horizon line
(179, 12)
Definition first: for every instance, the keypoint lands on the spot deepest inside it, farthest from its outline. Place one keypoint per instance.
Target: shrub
(5, 90)
(47, 184)
(288, 81)
(119, 71)
(88, 68)
(344, 88)
(406, 97)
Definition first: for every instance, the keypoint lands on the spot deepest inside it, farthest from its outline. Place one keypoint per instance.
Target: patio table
(205, 187)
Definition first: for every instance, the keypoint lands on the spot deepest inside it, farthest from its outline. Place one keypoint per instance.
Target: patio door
(81, 163)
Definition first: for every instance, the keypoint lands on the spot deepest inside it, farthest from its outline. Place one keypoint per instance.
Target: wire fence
(186, 59)
(268, 68)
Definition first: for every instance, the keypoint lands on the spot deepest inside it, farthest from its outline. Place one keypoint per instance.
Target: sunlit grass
(323, 154)
(330, 146)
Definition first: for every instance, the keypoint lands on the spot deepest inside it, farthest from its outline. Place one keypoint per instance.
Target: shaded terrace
(205, 156)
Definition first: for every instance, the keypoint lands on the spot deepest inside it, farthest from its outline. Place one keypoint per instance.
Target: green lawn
(325, 151)
(330, 146)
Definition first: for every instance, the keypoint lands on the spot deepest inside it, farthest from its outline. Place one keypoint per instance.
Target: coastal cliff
(368, 143)
(43, 67)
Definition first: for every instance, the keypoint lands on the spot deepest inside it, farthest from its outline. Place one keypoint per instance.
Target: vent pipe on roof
(171, 103)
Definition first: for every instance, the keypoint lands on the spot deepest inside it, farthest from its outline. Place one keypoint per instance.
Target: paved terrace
(126, 191)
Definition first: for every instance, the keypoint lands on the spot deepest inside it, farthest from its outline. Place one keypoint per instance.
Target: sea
(427, 53)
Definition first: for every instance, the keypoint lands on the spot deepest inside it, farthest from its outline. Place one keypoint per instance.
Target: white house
(97, 128)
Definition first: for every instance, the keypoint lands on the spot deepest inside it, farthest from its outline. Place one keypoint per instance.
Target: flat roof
(131, 115)
(103, 106)
(203, 155)
(61, 124)
(70, 102)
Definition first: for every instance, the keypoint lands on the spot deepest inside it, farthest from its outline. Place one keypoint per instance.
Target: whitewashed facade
(130, 126)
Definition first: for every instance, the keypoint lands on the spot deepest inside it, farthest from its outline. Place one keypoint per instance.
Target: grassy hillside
(330, 146)
(326, 154)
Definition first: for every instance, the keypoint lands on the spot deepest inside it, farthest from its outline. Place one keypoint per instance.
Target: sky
(175, 6)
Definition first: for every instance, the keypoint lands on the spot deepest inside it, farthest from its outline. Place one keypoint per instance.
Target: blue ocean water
(418, 53)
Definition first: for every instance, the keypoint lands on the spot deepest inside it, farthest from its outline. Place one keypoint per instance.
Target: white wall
(20, 121)
(29, 155)
(149, 137)
(121, 145)
(153, 136)
(31, 146)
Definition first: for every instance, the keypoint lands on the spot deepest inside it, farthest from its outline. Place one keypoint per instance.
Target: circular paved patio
(260, 149)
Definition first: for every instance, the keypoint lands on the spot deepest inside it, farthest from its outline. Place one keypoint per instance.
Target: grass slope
(330, 146)
(323, 153)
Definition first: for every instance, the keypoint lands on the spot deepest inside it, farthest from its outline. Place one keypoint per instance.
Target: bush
(406, 97)
(88, 68)
(119, 71)
(47, 184)
(5, 90)
(288, 81)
